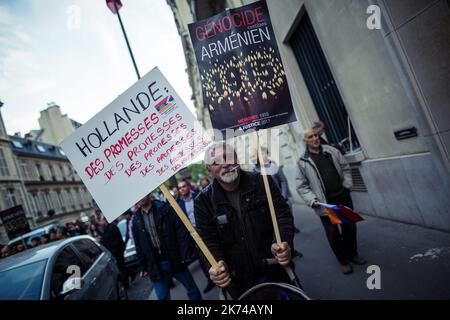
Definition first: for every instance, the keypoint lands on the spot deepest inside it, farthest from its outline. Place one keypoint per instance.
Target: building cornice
(16, 180)
(62, 215)
(22, 155)
(52, 183)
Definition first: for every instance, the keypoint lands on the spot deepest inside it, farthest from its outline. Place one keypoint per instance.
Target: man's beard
(229, 176)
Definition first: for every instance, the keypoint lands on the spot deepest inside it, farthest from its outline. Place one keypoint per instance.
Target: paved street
(414, 263)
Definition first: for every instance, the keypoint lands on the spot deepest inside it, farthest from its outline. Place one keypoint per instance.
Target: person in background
(187, 199)
(175, 192)
(52, 235)
(93, 231)
(276, 172)
(325, 176)
(6, 251)
(20, 247)
(73, 231)
(204, 183)
(80, 227)
(112, 240)
(127, 216)
(319, 129)
(36, 241)
(162, 245)
(194, 188)
(62, 233)
(45, 238)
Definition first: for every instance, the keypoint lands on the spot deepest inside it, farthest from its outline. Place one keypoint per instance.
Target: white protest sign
(134, 144)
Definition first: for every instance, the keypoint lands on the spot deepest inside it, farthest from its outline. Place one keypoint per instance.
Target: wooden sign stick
(268, 193)
(270, 201)
(198, 240)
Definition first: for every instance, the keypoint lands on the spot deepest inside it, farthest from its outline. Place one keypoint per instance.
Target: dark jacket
(174, 238)
(244, 244)
(276, 172)
(112, 240)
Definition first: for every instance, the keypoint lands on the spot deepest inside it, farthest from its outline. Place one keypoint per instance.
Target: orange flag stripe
(333, 217)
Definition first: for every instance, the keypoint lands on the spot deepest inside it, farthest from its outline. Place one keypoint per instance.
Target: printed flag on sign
(339, 214)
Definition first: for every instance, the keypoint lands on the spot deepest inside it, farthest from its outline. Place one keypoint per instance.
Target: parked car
(37, 232)
(130, 255)
(71, 269)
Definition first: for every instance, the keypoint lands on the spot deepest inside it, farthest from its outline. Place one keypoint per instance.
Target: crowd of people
(93, 227)
(232, 216)
(230, 211)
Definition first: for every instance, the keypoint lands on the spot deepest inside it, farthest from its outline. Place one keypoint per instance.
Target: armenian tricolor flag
(165, 104)
(339, 214)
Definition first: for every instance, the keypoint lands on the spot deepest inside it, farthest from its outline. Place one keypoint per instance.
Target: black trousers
(342, 238)
(122, 268)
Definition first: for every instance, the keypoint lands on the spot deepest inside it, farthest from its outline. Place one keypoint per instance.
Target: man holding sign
(233, 218)
(142, 138)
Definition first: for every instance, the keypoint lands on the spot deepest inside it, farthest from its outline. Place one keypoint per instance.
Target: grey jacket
(309, 182)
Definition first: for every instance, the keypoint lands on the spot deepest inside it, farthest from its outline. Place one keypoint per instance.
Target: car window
(22, 283)
(33, 233)
(61, 271)
(89, 251)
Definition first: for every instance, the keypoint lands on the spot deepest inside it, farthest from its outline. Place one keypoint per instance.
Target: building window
(86, 198)
(55, 200)
(52, 172)
(47, 200)
(75, 200)
(61, 200)
(41, 148)
(17, 144)
(12, 199)
(4, 171)
(38, 198)
(80, 198)
(69, 200)
(24, 170)
(63, 172)
(72, 199)
(40, 172)
(71, 173)
(320, 83)
(33, 202)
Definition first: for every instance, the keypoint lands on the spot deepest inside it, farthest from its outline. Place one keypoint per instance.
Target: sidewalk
(414, 262)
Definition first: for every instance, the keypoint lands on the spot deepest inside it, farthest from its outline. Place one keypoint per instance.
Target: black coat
(244, 244)
(112, 240)
(175, 241)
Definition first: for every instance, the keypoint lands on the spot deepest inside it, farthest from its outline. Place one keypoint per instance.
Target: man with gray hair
(233, 218)
(325, 176)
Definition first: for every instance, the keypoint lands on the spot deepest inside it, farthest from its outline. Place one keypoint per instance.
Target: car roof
(38, 253)
(43, 228)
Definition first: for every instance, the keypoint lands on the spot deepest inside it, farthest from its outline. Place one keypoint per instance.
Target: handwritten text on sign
(134, 144)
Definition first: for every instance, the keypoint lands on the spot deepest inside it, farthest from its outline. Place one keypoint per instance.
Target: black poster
(243, 81)
(15, 222)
